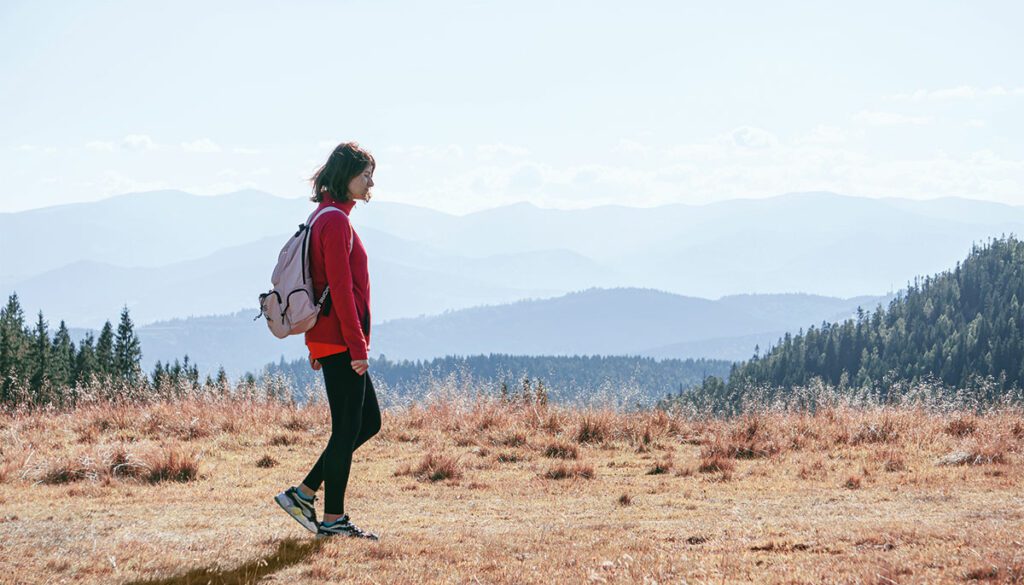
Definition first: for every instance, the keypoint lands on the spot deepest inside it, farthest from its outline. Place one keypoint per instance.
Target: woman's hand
(360, 366)
(315, 364)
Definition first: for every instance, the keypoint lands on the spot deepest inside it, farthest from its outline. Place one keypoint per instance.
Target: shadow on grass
(289, 552)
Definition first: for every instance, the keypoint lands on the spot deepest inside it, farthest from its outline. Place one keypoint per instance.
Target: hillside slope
(959, 327)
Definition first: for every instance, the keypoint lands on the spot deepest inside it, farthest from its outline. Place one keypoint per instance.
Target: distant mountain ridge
(598, 321)
(622, 321)
(232, 277)
(140, 229)
(423, 262)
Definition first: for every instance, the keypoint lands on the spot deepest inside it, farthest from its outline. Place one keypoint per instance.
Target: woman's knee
(365, 434)
(368, 429)
(371, 422)
(372, 427)
(343, 438)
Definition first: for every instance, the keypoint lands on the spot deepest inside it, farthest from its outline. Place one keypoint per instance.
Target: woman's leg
(371, 415)
(346, 391)
(370, 426)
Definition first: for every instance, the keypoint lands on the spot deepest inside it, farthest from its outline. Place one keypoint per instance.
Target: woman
(339, 341)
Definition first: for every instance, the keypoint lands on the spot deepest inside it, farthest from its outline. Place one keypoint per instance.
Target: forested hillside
(963, 328)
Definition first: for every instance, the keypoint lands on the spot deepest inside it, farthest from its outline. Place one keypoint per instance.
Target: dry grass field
(481, 491)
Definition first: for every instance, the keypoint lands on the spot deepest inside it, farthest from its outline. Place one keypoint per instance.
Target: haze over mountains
(170, 255)
(615, 322)
(592, 322)
(156, 251)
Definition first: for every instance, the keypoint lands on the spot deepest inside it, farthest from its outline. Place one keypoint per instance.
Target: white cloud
(528, 177)
(678, 173)
(699, 151)
(976, 123)
(889, 119)
(202, 145)
(572, 186)
(243, 150)
(962, 92)
(114, 183)
(720, 174)
(492, 151)
(725, 167)
(139, 142)
(25, 148)
(822, 134)
(750, 137)
(101, 146)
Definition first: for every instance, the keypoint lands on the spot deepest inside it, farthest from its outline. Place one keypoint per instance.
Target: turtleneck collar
(345, 206)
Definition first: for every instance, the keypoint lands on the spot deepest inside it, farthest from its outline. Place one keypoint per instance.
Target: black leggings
(355, 417)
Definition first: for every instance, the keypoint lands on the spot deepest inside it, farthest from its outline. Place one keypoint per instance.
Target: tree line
(39, 369)
(564, 378)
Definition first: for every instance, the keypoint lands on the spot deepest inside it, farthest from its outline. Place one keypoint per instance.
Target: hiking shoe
(343, 527)
(299, 508)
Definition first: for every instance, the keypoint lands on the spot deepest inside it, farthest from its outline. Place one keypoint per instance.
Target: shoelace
(348, 526)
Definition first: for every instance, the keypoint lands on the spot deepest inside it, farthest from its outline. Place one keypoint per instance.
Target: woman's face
(359, 186)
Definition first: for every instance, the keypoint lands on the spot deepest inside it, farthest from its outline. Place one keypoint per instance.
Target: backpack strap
(306, 229)
(316, 215)
(305, 246)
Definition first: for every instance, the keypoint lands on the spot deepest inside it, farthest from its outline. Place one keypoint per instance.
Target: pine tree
(190, 373)
(39, 361)
(14, 346)
(86, 364)
(159, 375)
(127, 350)
(222, 377)
(105, 365)
(61, 366)
(62, 363)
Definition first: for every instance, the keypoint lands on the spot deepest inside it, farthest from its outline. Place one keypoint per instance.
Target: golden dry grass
(487, 492)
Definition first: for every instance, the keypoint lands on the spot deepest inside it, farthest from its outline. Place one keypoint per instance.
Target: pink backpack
(289, 307)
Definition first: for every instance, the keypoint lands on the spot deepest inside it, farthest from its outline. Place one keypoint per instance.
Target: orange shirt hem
(319, 349)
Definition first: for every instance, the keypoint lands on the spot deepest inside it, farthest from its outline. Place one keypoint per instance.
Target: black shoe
(299, 508)
(343, 527)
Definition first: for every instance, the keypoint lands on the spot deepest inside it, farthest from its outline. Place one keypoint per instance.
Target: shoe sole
(339, 535)
(295, 512)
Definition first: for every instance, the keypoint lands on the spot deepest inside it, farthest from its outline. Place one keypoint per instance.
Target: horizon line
(531, 203)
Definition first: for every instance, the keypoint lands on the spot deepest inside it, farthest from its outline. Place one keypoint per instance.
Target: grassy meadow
(480, 490)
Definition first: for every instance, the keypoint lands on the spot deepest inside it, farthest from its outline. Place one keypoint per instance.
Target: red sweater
(330, 262)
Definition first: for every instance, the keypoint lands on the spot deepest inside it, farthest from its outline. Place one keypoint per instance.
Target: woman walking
(339, 341)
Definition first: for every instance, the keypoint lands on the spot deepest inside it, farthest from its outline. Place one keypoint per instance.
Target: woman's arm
(336, 236)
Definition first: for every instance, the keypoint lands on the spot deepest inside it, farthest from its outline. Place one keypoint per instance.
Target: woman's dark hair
(345, 163)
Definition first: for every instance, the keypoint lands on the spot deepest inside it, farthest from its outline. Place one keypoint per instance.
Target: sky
(473, 105)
